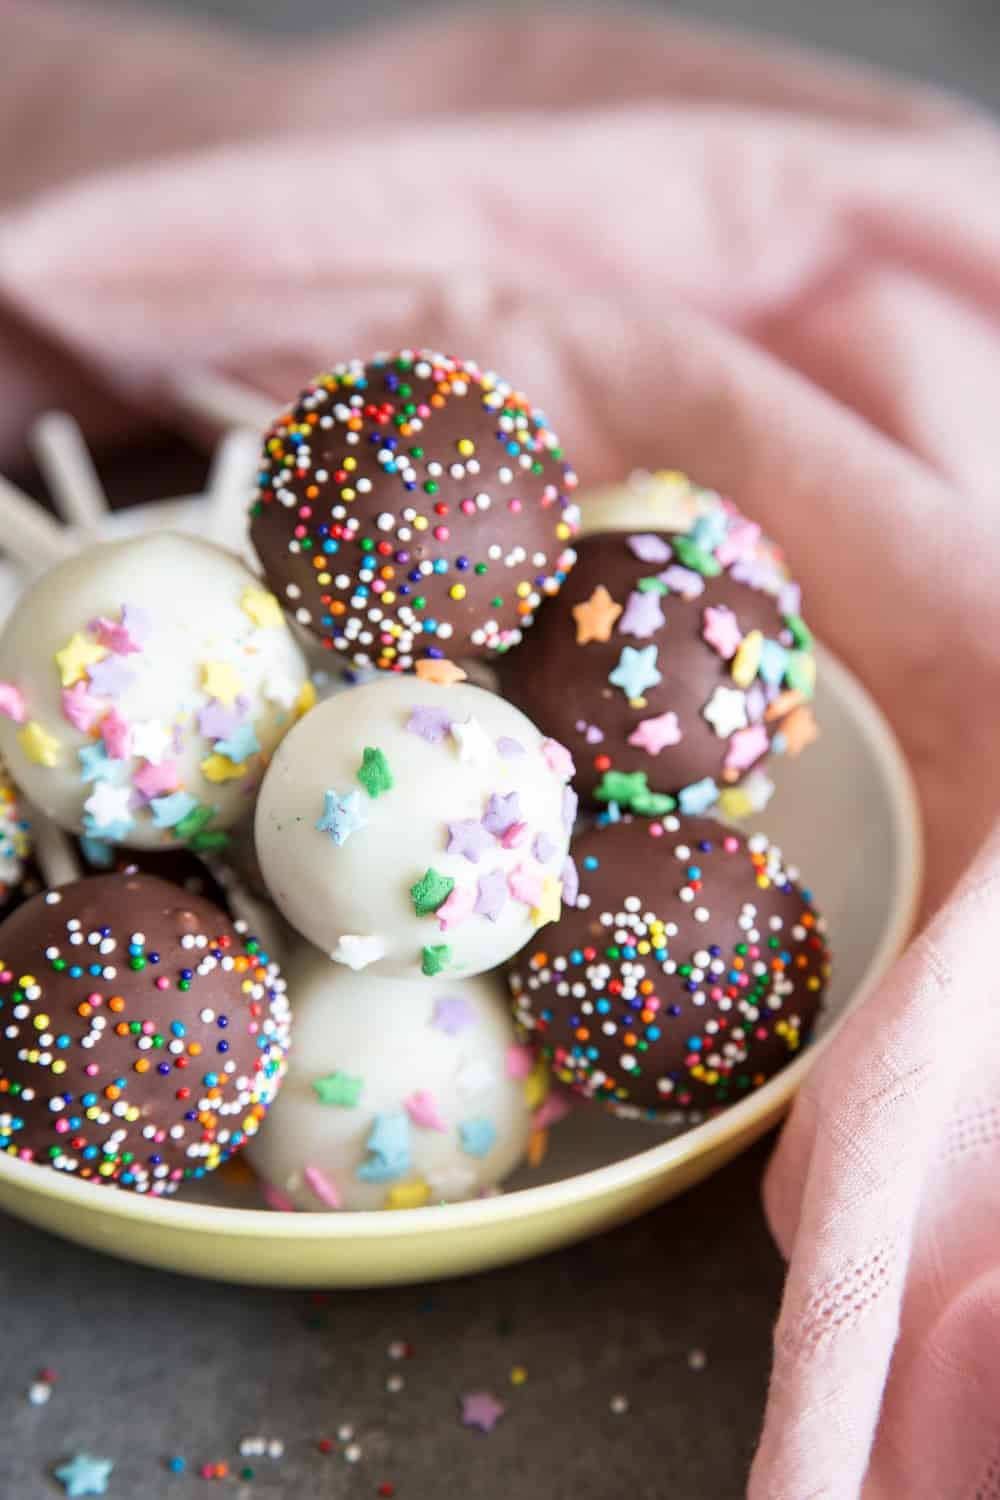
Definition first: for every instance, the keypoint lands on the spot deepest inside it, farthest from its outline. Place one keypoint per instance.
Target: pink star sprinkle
(115, 637)
(321, 1186)
(423, 1111)
(481, 1409)
(12, 702)
(456, 908)
(525, 886)
(520, 1060)
(653, 735)
(515, 836)
(116, 733)
(157, 780)
(745, 747)
(740, 540)
(558, 759)
(80, 708)
(721, 630)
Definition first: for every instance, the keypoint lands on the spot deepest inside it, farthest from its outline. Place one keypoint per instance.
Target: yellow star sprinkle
(408, 1194)
(734, 802)
(306, 699)
(595, 617)
(38, 746)
(221, 681)
(76, 656)
(550, 905)
(439, 671)
(537, 1084)
(263, 608)
(747, 659)
(218, 768)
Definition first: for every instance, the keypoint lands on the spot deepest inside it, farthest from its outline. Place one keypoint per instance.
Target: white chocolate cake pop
(399, 1093)
(142, 686)
(416, 827)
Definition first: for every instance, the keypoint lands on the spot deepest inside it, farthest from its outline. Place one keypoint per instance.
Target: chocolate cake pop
(143, 1033)
(399, 1093)
(672, 663)
(142, 685)
(413, 507)
(416, 828)
(690, 969)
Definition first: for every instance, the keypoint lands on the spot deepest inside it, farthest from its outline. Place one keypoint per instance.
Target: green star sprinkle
(209, 842)
(374, 773)
(653, 586)
(652, 804)
(692, 556)
(196, 820)
(339, 1088)
(431, 891)
(801, 634)
(622, 786)
(800, 673)
(434, 959)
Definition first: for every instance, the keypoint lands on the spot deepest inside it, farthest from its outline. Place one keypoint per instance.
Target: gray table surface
(150, 1365)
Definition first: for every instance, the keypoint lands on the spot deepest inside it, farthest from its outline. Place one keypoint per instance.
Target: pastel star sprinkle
(800, 673)
(525, 885)
(215, 721)
(12, 704)
(747, 659)
(111, 677)
(692, 555)
(220, 679)
(439, 671)
(570, 803)
(650, 548)
(509, 748)
(503, 811)
(434, 959)
(108, 807)
(452, 1014)
(342, 816)
(171, 810)
(558, 759)
(431, 724)
(697, 798)
(388, 1147)
(481, 1409)
(684, 581)
(219, 768)
(799, 730)
(720, 628)
(157, 780)
(240, 745)
(342, 1089)
(543, 848)
(192, 826)
(773, 661)
(95, 764)
(116, 733)
(726, 711)
(430, 892)
(643, 616)
(520, 1060)
(548, 906)
(115, 637)
(423, 1110)
(469, 839)
(76, 657)
(262, 608)
(320, 1186)
(636, 670)
(357, 952)
(570, 882)
(456, 908)
(451, 1182)
(491, 894)
(474, 745)
(279, 687)
(654, 735)
(374, 773)
(415, 1194)
(85, 1475)
(478, 1137)
(595, 617)
(745, 747)
(41, 748)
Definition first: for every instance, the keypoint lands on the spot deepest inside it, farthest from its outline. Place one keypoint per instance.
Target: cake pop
(413, 507)
(690, 969)
(144, 1033)
(416, 827)
(399, 1093)
(673, 662)
(17, 876)
(143, 683)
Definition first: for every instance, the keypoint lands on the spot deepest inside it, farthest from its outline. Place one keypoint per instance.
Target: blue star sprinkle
(477, 1136)
(342, 816)
(85, 1475)
(171, 810)
(388, 1148)
(240, 745)
(698, 797)
(636, 671)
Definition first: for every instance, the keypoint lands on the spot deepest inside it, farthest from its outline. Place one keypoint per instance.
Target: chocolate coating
(690, 970)
(413, 507)
(142, 1034)
(711, 717)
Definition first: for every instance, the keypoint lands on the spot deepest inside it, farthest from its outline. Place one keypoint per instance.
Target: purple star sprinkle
(543, 848)
(216, 722)
(502, 811)
(453, 1014)
(790, 599)
(110, 678)
(469, 838)
(643, 615)
(431, 724)
(570, 803)
(570, 882)
(683, 581)
(755, 572)
(755, 703)
(650, 549)
(481, 1409)
(492, 894)
(508, 747)
(137, 622)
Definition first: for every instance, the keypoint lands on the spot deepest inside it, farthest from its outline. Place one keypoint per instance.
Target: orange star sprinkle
(595, 617)
(799, 730)
(439, 671)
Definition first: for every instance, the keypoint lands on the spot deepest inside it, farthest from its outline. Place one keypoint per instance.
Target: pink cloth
(782, 277)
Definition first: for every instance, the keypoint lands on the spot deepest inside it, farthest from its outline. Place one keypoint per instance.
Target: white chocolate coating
(208, 661)
(421, 1056)
(354, 898)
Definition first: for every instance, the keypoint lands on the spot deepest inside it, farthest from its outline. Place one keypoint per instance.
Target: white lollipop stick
(230, 488)
(68, 468)
(261, 919)
(221, 401)
(27, 531)
(53, 850)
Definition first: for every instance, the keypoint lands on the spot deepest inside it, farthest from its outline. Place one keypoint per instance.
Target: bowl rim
(711, 1136)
